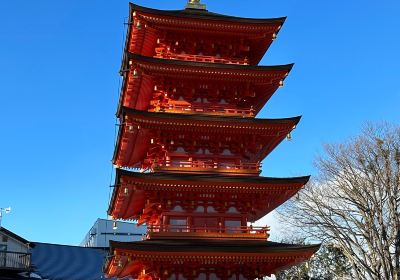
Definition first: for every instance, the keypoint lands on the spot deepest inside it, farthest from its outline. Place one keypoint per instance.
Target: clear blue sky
(59, 80)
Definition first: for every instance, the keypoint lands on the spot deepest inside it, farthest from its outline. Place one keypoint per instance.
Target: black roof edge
(200, 177)
(117, 143)
(113, 197)
(126, 110)
(139, 57)
(115, 191)
(204, 14)
(273, 246)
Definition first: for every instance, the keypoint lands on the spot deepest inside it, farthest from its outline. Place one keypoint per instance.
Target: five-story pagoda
(190, 94)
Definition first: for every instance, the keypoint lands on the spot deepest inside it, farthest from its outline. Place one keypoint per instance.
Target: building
(105, 230)
(15, 257)
(63, 262)
(191, 90)
(22, 259)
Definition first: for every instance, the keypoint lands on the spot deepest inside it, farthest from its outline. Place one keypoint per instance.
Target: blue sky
(59, 86)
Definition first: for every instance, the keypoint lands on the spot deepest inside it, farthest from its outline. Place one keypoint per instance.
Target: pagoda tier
(154, 198)
(199, 35)
(197, 143)
(162, 85)
(203, 259)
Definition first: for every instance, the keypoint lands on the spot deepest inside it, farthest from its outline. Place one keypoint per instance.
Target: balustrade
(197, 165)
(245, 231)
(161, 53)
(15, 260)
(223, 110)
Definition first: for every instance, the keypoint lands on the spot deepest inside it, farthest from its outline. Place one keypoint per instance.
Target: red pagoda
(191, 91)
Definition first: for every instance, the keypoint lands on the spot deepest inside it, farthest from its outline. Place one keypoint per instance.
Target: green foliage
(328, 264)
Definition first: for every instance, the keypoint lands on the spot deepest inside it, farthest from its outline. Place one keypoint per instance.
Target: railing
(15, 260)
(207, 231)
(210, 166)
(160, 53)
(215, 110)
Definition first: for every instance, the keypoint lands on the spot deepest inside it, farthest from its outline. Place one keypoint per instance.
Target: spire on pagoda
(195, 4)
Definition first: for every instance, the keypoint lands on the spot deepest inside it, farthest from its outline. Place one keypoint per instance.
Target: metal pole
(5, 210)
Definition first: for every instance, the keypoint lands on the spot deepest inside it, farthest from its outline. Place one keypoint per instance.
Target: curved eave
(214, 246)
(208, 17)
(290, 186)
(209, 119)
(271, 131)
(204, 15)
(270, 257)
(208, 178)
(137, 58)
(263, 76)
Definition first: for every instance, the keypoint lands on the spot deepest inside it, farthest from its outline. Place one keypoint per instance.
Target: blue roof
(62, 262)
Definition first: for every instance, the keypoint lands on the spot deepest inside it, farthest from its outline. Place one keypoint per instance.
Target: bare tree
(329, 263)
(354, 202)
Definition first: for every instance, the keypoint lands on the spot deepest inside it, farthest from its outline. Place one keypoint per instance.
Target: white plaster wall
(13, 245)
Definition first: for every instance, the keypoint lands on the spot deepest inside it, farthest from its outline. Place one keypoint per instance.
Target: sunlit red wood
(191, 91)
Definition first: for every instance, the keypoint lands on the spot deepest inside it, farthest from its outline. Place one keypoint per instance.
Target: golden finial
(195, 4)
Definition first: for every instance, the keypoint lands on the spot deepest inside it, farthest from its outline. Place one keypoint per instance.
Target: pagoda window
(205, 223)
(232, 226)
(202, 276)
(213, 276)
(226, 152)
(232, 209)
(211, 209)
(178, 224)
(180, 150)
(178, 208)
(176, 276)
(199, 209)
(237, 277)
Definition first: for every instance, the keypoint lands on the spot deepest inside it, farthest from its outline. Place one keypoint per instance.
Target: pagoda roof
(259, 31)
(211, 120)
(272, 192)
(207, 245)
(209, 178)
(128, 258)
(204, 15)
(200, 68)
(130, 153)
(266, 78)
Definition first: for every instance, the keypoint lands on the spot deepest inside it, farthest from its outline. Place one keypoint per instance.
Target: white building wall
(8, 246)
(12, 244)
(102, 232)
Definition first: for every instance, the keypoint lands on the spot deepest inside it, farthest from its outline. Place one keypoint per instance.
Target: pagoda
(191, 90)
